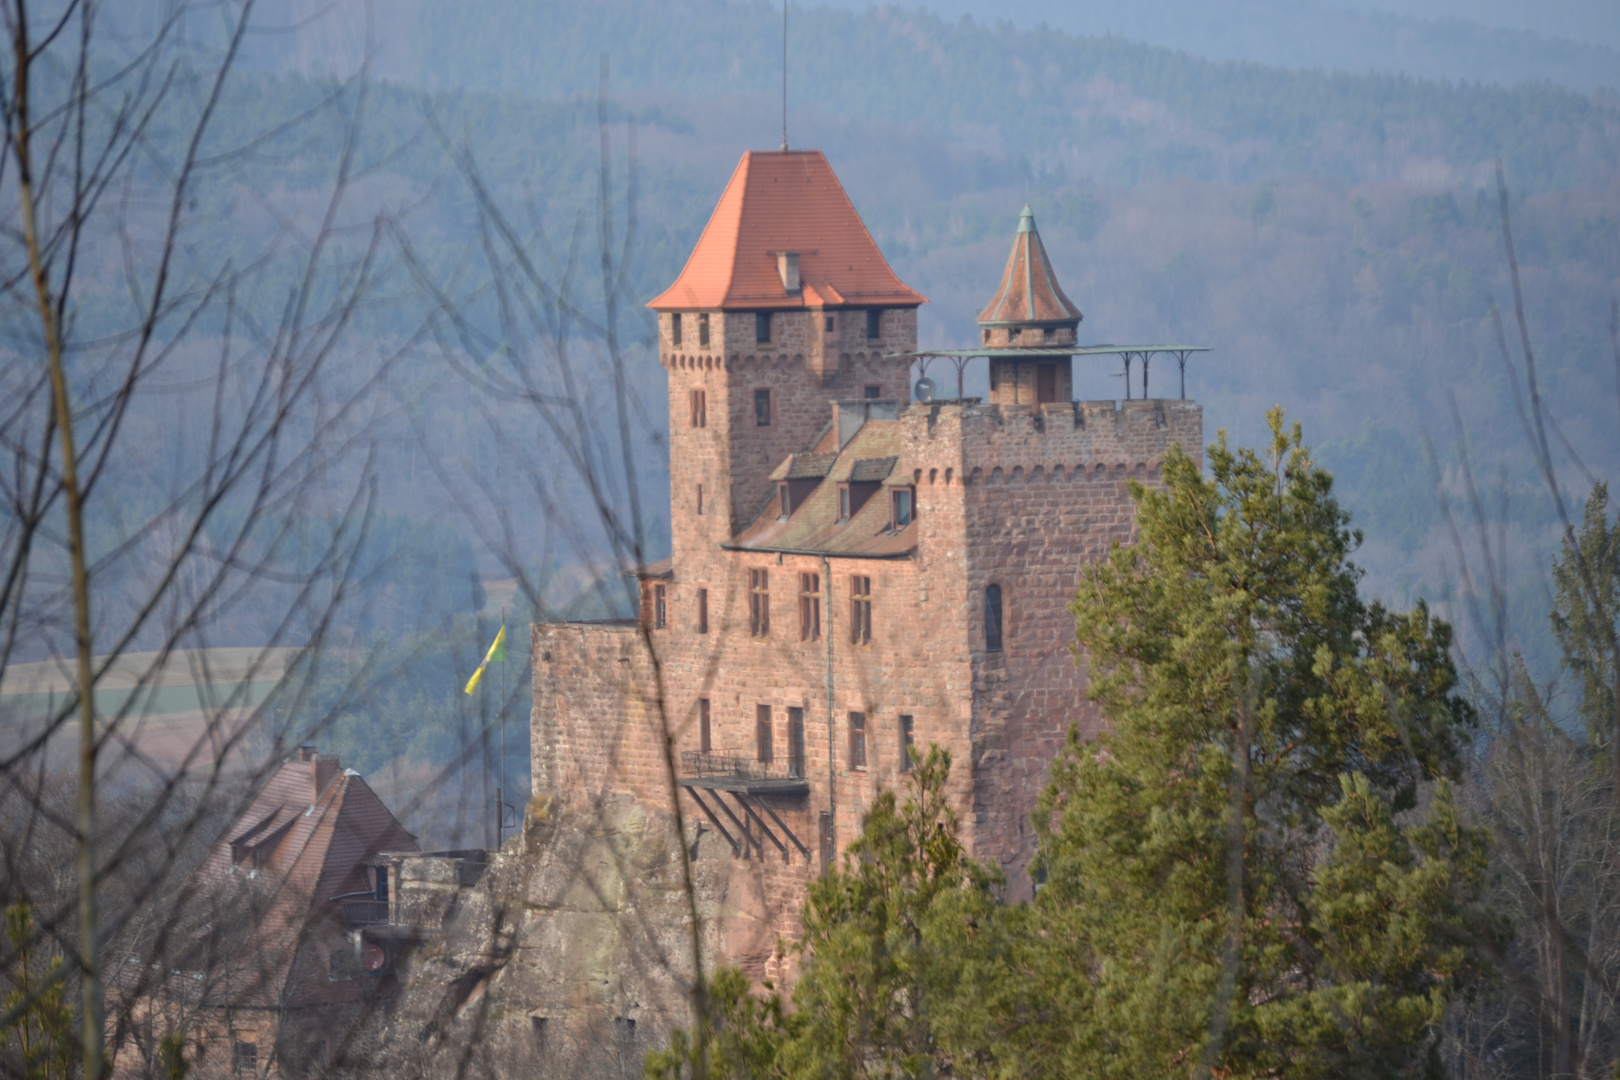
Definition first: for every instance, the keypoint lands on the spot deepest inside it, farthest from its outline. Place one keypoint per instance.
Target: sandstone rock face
(573, 954)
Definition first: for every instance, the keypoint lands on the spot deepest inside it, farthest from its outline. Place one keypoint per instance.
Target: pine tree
(1260, 869)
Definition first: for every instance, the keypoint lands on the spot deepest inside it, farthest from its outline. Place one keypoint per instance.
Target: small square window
(762, 328)
(874, 323)
(901, 501)
(872, 392)
(703, 331)
(857, 740)
(762, 408)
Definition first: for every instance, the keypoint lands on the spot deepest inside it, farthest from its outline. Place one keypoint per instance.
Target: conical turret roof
(1029, 292)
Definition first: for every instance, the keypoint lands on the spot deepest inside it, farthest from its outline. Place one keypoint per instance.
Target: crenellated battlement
(1069, 440)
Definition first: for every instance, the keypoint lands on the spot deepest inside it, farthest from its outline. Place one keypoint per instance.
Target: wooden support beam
(735, 848)
(780, 823)
(742, 800)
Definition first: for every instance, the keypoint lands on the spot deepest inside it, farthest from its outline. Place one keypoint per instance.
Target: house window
(762, 408)
(700, 500)
(705, 736)
(762, 733)
(787, 503)
(759, 603)
(874, 323)
(675, 329)
(700, 408)
(831, 325)
(900, 503)
(762, 328)
(703, 331)
(906, 740)
(660, 612)
(382, 884)
(843, 502)
(860, 610)
(992, 617)
(703, 611)
(809, 607)
(795, 741)
(857, 740)
(872, 393)
(244, 1057)
(825, 834)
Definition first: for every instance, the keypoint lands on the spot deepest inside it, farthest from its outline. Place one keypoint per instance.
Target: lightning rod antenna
(784, 74)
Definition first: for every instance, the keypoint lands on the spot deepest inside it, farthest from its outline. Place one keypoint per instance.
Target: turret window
(992, 618)
(762, 408)
(675, 329)
(874, 323)
(759, 603)
(700, 408)
(762, 328)
(703, 331)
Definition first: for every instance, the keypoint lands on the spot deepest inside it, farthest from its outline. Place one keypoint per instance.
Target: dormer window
(901, 503)
(843, 502)
(787, 267)
(785, 499)
(762, 328)
(703, 331)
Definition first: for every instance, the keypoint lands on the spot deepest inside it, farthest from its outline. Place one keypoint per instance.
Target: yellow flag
(496, 654)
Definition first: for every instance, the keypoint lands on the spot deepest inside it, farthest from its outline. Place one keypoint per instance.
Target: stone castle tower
(853, 573)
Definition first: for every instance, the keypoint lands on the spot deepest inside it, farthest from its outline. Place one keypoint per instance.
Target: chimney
(326, 767)
(787, 265)
(306, 752)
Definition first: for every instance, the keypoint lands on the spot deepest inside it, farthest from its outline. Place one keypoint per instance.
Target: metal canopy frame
(751, 804)
(1126, 353)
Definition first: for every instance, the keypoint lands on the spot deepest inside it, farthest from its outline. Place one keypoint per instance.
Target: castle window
(762, 733)
(705, 736)
(703, 331)
(700, 500)
(244, 1057)
(762, 328)
(906, 730)
(900, 503)
(382, 885)
(995, 374)
(985, 335)
(831, 325)
(703, 611)
(700, 408)
(759, 603)
(787, 503)
(539, 1037)
(795, 741)
(992, 618)
(660, 608)
(809, 607)
(762, 408)
(874, 323)
(872, 393)
(857, 740)
(675, 329)
(860, 610)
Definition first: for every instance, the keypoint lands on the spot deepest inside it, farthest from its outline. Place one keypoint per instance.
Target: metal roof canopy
(1041, 352)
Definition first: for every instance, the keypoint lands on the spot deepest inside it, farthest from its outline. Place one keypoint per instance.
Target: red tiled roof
(785, 201)
(1029, 291)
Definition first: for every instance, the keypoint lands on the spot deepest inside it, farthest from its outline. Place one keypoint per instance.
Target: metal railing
(365, 912)
(721, 765)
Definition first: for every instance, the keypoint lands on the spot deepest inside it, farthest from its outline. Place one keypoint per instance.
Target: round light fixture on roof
(925, 390)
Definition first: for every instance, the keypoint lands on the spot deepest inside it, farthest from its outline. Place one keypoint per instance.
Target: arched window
(992, 617)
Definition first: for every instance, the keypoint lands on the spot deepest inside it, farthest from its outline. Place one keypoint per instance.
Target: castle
(854, 573)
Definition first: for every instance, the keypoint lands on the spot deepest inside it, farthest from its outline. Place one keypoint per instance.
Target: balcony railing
(365, 912)
(721, 765)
